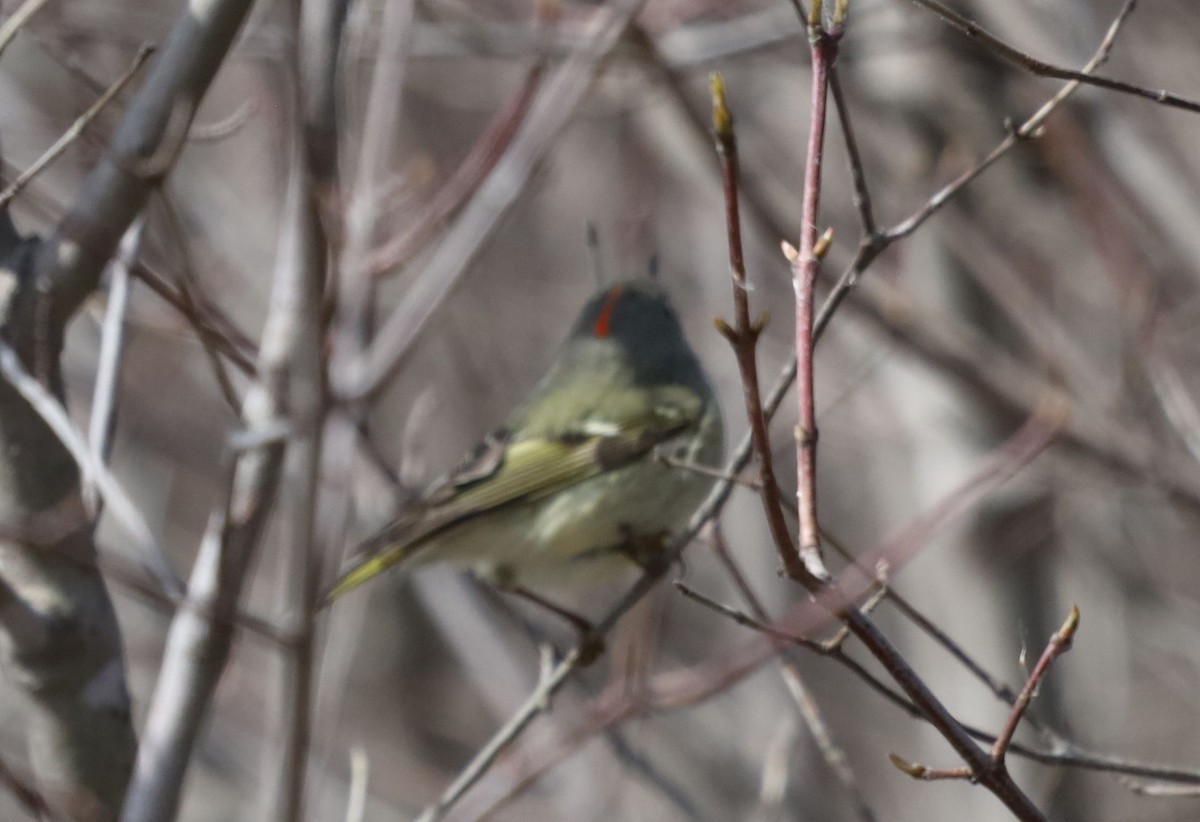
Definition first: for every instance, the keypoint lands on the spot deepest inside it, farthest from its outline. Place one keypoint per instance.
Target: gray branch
(60, 644)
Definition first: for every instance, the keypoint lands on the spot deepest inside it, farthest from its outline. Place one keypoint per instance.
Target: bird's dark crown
(637, 316)
(628, 312)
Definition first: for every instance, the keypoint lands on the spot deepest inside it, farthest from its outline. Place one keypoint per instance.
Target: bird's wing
(503, 472)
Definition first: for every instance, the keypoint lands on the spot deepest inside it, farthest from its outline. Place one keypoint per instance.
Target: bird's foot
(647, 551)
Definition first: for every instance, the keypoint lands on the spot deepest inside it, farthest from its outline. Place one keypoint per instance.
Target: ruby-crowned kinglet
(574, 486)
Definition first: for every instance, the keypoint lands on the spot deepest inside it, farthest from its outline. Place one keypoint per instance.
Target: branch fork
(1058, 645)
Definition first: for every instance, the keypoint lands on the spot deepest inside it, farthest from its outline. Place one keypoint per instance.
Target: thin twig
(360, 774)
(353, 288)
(102, 423)
(1152, 789)
(1042, 69)
(534, 704)
(465, 180)
(914, 615)
(858, 176)
(213, 328)
(556, 102)
(1059, 644)
(743, 335)
(824, 49)
(119, 502)
(672, 696)
(206, 319)
(152, 131)
(705, 470)
(18, 19)
(72, 134)
(875, 243)
(301, 245)
(198, 647)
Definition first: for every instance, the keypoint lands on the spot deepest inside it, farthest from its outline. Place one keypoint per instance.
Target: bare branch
(18, 19)
(77, 128)
(103, 419)
(1042, 69)
(549, 113)
(144, 148)
(94, 471)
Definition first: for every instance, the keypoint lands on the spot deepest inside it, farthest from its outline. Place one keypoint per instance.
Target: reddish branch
(814, 577)
(824, 52)
(1058, 645)
(744, 334)
(465, 181)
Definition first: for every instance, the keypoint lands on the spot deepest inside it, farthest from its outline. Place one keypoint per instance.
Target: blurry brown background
(1074, 256)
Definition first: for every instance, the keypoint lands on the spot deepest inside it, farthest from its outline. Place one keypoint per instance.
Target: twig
(747, 621)
(927, 625)
(351, 238)
(471, 172)
(119, 571)
(72, 134)
(534, 704)
(669, 693)
(301, 248)
(1176, 401)
(773, 779)
(824, 49)
(875, 243)
(743, 338)
(360, 773)
(743, 335)
(200, 312)
(210, 325)
(197, 646)
(102, 422)
(119, 502)
(152, 130)
(643, 767)
(705, 470)
(549, 113)
(858, 176)
(17, 19)
(1152, 789)
(1059, 644)
(1042, 69)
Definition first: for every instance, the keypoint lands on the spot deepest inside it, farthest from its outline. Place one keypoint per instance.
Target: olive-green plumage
(559, 493)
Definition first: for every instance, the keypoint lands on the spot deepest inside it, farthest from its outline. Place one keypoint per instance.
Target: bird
(587, 477)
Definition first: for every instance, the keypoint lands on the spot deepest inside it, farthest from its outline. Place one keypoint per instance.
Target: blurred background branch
(366, 253)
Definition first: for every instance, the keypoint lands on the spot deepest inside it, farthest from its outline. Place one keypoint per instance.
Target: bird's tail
(365, 569)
